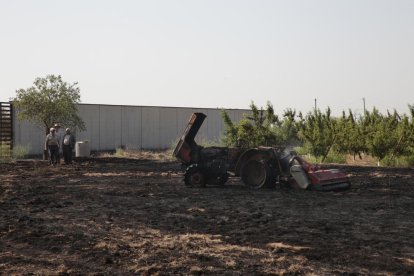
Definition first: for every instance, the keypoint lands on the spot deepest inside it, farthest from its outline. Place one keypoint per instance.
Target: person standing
(52, 144)
(59, 133)
(68, 144)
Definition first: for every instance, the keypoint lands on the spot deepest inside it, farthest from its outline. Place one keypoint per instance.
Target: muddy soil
(113, 216)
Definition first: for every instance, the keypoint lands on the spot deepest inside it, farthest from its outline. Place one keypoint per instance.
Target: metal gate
(6, 125)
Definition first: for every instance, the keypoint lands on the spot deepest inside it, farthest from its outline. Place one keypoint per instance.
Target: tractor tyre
(256, 174)
(222, 179)
(218, 180)
(195, 177)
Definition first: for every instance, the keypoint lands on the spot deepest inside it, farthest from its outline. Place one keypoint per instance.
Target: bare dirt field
(119, 216)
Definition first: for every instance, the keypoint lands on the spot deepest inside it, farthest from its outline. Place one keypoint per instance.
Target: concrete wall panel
(150, 128)
(215, 125)
(131, 127)
(168, 127)
(239, 114)
(29, 136)
(134, 127)
(110, 127)
(90, 115)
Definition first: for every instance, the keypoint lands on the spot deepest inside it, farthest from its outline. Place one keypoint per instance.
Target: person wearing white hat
(52, 144)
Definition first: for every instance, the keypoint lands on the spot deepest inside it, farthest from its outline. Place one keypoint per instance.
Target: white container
(300, 176)
(82, 149)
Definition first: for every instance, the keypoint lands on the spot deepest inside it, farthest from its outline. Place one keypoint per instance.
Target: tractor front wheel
(194, 177)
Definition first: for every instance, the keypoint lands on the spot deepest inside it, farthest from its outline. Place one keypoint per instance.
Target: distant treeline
(387, 137)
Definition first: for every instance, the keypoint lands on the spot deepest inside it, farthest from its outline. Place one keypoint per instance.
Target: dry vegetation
(162, 155)
(121, 216)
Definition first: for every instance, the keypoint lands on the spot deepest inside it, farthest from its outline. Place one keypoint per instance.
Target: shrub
(402, 161)
(119, 152)
(334, 157)
(5, 152)
(19, 152)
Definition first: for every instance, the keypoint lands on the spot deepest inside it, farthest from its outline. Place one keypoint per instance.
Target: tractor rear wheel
(256, 174)
(194, 177)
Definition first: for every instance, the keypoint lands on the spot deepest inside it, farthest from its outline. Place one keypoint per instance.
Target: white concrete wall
(134, 127)
(30, 136)
(131, 127)
(91, 116)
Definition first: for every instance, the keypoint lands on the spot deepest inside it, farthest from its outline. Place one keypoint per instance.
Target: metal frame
(6, 123)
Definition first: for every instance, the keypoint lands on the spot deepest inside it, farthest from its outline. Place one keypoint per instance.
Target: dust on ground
(121, 216)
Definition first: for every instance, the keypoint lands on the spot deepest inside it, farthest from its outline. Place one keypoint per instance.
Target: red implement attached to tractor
(257, 167)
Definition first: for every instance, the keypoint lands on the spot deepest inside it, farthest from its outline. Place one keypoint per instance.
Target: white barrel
(82, 149)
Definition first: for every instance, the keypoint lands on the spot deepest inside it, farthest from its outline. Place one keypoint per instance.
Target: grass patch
(7, 154)
(333, 157)
(402, 161)
(119, 152)
(204, 142)
(160, 155)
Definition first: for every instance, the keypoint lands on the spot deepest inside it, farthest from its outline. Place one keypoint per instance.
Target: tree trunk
(396, 147)
(328, 150)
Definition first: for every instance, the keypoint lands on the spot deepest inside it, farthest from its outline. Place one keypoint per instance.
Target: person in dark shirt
(68, 143)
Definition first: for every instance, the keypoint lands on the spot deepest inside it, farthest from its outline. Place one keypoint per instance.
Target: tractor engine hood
(186, 144)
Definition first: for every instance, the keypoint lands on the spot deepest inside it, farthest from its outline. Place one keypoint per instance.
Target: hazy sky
(215, 53)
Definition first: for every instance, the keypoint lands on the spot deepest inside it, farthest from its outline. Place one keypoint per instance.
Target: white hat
(52, 129)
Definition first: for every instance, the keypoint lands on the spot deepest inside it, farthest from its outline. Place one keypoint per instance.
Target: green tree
(410, 134)
(49, 100)
(318, 131)
(381, 133)
(349, 138)
(255, 129)
(404, 133)
(286, 131)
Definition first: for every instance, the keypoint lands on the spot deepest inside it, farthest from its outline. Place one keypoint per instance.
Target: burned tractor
(257, 167)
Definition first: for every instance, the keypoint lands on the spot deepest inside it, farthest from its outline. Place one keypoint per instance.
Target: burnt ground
(112, 216)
